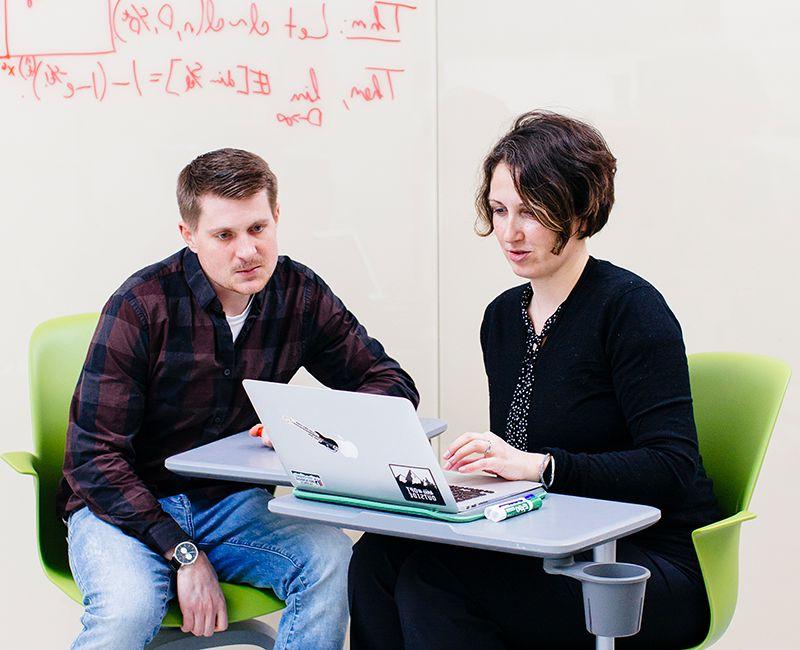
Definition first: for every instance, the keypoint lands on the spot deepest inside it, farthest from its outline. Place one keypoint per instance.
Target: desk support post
(605, 552)
(604, 643)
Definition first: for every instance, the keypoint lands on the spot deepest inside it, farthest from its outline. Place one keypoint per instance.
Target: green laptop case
(390, 507)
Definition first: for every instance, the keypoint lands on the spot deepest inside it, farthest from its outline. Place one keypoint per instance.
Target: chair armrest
(718, 526)
(717, 548)
(22, 461)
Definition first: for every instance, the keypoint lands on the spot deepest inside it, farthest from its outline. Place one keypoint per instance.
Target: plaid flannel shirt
(163, 375)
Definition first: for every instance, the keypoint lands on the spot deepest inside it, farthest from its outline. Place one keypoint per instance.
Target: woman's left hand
(473, 452)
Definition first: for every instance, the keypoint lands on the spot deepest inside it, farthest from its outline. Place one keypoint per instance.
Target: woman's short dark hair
(562, 169)
(228, 173)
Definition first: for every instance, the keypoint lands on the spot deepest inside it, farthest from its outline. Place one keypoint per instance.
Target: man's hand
(259, 431)
(200, 598)
(473, 452)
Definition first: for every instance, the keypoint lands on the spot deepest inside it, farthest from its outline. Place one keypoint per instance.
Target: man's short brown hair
(228, 173)
(562, 169)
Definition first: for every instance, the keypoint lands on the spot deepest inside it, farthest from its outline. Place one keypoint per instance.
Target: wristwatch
(185, 554)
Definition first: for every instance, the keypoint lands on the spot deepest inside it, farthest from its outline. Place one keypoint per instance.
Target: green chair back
(57, 352)
(737, 398)
(56, 355)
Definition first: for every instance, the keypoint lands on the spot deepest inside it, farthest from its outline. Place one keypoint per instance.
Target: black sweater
(611, 401)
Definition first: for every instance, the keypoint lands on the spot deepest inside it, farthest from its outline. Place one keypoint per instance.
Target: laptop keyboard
(464, 493)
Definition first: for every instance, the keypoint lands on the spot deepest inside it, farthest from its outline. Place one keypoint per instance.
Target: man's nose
(246, 249)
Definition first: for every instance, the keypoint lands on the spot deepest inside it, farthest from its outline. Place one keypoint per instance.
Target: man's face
(237, 244)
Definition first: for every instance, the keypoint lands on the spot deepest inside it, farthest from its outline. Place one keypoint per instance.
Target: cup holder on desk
(613, 594)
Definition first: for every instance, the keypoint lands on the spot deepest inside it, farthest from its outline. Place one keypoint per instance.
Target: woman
(588, 393)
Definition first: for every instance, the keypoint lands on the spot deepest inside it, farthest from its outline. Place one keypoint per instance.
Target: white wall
(699, 103)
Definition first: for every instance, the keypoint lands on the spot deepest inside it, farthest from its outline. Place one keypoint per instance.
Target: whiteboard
(105, 101)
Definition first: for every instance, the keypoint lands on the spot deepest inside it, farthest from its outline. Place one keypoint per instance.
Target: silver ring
(488, 449)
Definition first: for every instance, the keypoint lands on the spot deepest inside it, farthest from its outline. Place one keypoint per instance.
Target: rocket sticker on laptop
(335, 444)
(417, 484)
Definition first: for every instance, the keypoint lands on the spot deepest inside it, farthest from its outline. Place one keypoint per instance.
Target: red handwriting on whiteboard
(312, 117)
(257, 26)
(133, 81)
(137, 19)
(98, 85)
(380, 87)
(166, 16)
(308, 95)
(213, 24)
(140, 19)
(304, 32)
(53, 74)
(245, 80)
(28, 67)
(383, 26)
(192, 77)
(258, 80)
(91, 73)
(168, 87)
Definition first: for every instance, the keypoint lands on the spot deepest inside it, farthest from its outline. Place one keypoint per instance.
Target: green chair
(737, 398)
(57, 352)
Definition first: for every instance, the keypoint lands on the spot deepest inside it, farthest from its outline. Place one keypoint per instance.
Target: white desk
(563, 527)
(241, 457)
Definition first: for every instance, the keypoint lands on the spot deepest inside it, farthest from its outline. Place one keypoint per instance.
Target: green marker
(505, 510)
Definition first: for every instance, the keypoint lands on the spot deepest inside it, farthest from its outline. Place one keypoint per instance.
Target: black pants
(419, 595)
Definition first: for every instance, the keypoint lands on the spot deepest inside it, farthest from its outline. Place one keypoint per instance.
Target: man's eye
(258, 228)
(223, 236)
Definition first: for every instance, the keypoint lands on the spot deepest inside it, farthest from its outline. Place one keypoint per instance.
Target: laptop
(368, 450)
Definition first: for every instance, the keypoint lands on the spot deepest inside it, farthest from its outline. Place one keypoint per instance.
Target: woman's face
(526, 243)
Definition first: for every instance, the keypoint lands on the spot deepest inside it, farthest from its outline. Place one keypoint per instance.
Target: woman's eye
(498, 210)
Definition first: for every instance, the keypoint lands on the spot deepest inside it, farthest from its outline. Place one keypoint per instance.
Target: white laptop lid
(372, 446)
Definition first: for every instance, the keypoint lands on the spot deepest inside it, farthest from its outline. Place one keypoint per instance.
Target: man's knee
(125, 585)
(333, 556)
(130, 613)
(325, 560)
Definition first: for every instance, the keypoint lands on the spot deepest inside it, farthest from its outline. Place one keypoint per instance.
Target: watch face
(186, 553)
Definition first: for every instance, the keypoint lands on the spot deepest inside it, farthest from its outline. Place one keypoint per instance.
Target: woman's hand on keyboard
(487, 452)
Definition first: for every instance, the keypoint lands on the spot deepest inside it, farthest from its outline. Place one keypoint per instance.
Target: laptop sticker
(309, 480)
(417, 484)
(332, 443)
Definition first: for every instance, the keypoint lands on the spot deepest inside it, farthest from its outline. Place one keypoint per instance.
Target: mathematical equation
(125, 54)
(382, 22)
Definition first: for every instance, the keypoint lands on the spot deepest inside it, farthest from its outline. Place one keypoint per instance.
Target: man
(164, 374)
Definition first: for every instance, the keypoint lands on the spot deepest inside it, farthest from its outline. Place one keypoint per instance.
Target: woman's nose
(513, 230)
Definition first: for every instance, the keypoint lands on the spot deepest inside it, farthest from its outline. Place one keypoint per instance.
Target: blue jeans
(126, 586)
